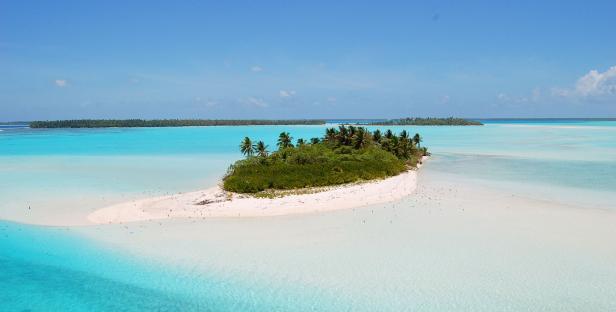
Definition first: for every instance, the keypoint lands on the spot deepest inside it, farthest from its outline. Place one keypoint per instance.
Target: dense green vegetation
(126, 123)
(343, 155)
(428, 122)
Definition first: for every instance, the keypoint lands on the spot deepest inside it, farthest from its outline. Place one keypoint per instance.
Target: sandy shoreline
(215, 202)
(457, 243)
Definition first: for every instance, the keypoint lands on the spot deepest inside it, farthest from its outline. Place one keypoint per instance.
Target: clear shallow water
(51, 269)
(76, 171)
(48, 269)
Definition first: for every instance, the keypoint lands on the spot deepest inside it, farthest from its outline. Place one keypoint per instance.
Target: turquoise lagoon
(56, 176)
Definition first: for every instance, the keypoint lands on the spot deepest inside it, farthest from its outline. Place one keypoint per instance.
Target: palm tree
(285, 140)
(417, 139)
(343, 135)
(376, 135)
(393, 145)
(246, 147)
(361, 138)
(315, 141)
(389, 134)
(386, 144)
(300, 142)
(405, 145)
(331, 134)
(404, 135)
(404, 148)
(352, 130)
(261, 149)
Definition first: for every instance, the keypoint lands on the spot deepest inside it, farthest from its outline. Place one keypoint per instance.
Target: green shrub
(310, 165)
(344, 155)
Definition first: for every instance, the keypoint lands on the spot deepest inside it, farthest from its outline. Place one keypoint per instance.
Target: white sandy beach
(455, 243)
(215, 202)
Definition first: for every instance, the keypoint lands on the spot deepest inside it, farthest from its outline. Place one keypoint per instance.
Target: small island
(451, 121)
(134, 123)
(348, 167)
(343, 155)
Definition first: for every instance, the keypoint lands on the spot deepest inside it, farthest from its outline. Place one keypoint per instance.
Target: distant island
(133, 123)
(14, 123)
(451, 121)
(343, 155)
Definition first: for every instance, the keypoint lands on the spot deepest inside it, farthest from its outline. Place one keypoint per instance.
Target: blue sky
(285, 59)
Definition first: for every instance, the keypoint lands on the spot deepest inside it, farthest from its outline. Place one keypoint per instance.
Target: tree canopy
(451, 121)
(343, 155)
(130, 123)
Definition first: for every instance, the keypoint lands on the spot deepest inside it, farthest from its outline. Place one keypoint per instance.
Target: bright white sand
(215, 202)
(456, 244)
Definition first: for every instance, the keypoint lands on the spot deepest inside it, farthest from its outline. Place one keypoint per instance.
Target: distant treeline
(14, 123)
(128, 123)
(427, 122)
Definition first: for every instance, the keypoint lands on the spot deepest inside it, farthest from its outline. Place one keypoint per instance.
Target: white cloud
(205, 102)
(331, 99)
(256, 102)
(61, 83)
(445, 99)
(256, 68)
(593, 84)
(504, 97)
(596, 83)
(286, 94)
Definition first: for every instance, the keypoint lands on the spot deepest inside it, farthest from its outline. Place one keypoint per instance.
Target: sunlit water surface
(74, 172)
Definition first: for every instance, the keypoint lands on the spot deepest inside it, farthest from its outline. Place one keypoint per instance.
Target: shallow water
(73, 172)
(52, 269)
